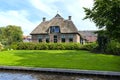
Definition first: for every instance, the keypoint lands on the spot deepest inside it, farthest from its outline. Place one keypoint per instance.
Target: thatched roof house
(56, 30)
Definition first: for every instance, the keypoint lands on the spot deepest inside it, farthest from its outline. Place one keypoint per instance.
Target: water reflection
(17, 75)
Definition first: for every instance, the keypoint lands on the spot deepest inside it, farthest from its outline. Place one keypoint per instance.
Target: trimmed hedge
(46, 46)
(89, 46)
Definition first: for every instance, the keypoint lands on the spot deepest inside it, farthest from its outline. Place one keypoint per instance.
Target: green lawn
(72, 59)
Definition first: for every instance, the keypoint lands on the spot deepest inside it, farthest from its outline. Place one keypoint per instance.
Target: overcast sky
(29, 13)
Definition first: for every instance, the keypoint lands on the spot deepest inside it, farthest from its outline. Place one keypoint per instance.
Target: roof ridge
(57, 16)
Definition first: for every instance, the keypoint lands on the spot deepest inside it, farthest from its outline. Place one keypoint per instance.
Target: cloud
(86, 3)
(77, 13)
(43, 6)
(18, 18)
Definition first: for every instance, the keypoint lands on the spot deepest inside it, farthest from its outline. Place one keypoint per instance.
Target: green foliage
(10, 34)
(65, 59)
(89, 46)
(113, 48)
(102, 40)
(106, 14)
(56, 46)
(46, 46)
(73, 46)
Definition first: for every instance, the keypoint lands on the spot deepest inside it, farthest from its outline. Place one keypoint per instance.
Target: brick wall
(76, 37)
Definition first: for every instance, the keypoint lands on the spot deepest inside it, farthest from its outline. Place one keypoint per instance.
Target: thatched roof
(90, 36)
(66, 26)
(87, 33)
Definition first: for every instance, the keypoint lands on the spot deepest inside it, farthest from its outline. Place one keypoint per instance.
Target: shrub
(46, 46)
(52, 46)
(56, 46)
(113, 48)
(72, 46)
(89, 46)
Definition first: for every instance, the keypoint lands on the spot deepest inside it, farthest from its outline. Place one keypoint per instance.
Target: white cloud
(17, 18)
(45, 7)
(86, 3)
(75, 9)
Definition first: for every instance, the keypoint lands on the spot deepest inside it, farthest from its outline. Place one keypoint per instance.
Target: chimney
(69, 17)
(44, 19)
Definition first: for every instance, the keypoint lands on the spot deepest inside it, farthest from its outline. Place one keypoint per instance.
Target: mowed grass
(67, 59)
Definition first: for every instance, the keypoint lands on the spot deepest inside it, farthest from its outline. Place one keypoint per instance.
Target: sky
(29, 13)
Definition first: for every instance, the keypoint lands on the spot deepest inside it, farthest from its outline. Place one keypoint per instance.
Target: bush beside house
(113, 48)
(46, 46)
(52, 46)
(89, 46)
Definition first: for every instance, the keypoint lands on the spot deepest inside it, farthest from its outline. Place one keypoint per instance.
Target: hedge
(113, 48)
(46, 46)
(89, 46)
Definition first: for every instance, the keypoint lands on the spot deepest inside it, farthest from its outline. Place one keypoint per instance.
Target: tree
(10, 34)
(106, 14)
(3, 37)
(102, 40)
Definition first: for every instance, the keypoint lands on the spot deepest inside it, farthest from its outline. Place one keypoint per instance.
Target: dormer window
(54, 29)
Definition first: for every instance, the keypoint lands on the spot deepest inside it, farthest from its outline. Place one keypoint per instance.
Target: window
(54, 29)
(40, 38)
(55, 38)
(70, 39)
(71, 36)
(47, 39)
(57, 30)
(62, 38)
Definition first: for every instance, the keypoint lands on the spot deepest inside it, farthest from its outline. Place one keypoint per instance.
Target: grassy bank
(72, 59)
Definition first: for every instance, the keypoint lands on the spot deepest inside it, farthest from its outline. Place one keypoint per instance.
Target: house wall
(34, 38)
(52, 37)
(76, 37)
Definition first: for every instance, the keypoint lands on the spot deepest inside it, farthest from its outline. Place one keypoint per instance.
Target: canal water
(20, 75)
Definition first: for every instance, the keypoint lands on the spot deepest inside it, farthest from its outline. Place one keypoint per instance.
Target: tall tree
(10, 34)
(106, 14)
(3, 37)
